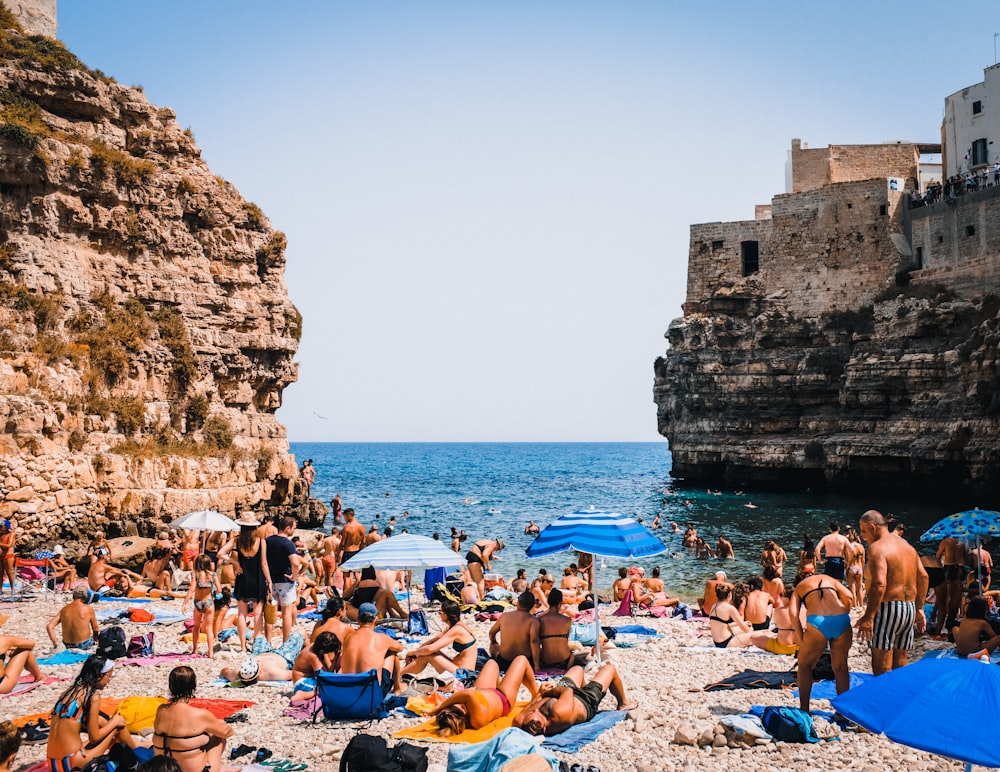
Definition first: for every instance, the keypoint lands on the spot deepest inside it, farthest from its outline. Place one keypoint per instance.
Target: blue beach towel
(577, 736)
(490, 756)
(67, 657)
(827, 690)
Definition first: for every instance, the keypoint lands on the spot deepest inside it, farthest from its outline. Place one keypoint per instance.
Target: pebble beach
(665, 675)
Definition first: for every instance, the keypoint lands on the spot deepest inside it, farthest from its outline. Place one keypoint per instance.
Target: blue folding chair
(350, 696)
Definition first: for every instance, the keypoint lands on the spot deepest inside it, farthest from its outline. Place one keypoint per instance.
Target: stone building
(972, 125)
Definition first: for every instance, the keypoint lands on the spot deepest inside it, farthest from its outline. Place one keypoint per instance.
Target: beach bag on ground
(418, 622)
(140, 645)
(410, 757)
(111, 642)
(789, 725)
(368, 753)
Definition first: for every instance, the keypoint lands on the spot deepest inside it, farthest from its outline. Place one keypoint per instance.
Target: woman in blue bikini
(827, 603)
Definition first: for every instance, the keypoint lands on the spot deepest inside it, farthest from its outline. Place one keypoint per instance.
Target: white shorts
(285, 593)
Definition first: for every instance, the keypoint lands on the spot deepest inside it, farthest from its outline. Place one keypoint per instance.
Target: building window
(918, 262)
(977, 107)
(750, 252)
(979, 151)
(717, 245)
(882, 210)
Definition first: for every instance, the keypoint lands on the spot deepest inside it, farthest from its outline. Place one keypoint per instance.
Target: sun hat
(501, 544)
(367, 610)
(58, 550)
(249, 670)
(247, 520)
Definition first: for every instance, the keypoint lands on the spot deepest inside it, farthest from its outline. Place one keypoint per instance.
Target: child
(204, 587)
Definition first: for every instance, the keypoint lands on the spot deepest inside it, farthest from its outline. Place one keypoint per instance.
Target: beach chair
(349, 696)
(34, 573)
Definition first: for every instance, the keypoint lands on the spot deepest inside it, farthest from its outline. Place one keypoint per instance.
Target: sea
(494, 489)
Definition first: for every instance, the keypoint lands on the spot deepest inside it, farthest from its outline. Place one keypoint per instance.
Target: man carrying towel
(570, 702)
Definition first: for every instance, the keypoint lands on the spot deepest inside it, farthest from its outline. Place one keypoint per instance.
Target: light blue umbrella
(407, 550)
(607, 534)
(964, 525)
(943, 706)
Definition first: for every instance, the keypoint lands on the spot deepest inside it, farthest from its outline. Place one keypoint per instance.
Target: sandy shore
(665, 676)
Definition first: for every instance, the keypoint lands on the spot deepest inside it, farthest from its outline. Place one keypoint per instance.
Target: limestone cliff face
(146, 332)
(902, 395)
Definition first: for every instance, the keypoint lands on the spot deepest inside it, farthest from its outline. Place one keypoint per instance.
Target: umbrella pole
(979, 566)
(597, 608)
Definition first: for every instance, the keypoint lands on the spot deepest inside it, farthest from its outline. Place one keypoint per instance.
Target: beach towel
(159, 659)
(23, 686)
(577, 736)
(625, 608)
(65, 657)
(493, 754)
(427, 731)
(756, 679)
(952, 653)
(827, 690)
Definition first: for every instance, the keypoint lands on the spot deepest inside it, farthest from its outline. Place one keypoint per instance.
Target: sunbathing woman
(786, 639)
(491, 698)
(828, 608)
(652, 592)
(193, 737)
(368, 590)
(78, 710)
(729, 629)
(16, 655)
(431, 652)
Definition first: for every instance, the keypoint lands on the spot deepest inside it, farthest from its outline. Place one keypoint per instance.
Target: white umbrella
(205, 520)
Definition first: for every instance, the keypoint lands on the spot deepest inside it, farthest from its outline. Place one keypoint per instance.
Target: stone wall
(38, 17)
(814, 168)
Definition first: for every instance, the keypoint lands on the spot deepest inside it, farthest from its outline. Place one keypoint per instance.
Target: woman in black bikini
(729, 629)
(78, 710)
(368, 590)
(192, 737)
(478, 559)
(458, 636)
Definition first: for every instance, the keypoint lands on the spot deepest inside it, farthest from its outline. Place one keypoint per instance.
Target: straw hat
(248, 521)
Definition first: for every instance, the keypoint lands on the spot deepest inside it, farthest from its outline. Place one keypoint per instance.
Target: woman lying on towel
(491, 698)
(729, 629)
(431, 652)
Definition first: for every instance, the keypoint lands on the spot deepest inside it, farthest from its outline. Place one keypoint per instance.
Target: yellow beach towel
(427, 731)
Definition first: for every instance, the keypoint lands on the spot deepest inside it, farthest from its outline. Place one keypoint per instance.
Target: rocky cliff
(146, 332)
(901, 396)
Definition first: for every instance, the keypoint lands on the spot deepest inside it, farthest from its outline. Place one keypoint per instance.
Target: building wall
(829, 249)
(962, 126)
(38, 17)
(813, 168)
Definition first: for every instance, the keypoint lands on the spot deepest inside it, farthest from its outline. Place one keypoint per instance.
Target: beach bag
(111, 642)
(789, 725)
(418, 622)
(368, 753)
(410, 758)
(141, 645)
(140, 615)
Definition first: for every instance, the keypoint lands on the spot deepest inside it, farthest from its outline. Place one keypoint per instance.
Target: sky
(488, 204)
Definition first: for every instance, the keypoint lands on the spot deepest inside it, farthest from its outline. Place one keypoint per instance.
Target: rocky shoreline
(665, 676)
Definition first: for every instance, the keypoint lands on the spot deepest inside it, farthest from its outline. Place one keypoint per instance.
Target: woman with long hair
(461, 639)
(807, 556)
(489, 699)
(247, 553)
(78, 710)
(729, 630)
(192, 737)
(204, 587)
(856, 567)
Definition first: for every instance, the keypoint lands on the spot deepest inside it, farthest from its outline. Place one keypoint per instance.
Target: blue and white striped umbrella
(407, 550)
(607, 534)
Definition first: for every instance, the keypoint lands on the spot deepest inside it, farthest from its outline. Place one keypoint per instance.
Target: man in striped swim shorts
(895, 595)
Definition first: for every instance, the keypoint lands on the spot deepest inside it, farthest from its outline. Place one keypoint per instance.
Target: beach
(666, 676)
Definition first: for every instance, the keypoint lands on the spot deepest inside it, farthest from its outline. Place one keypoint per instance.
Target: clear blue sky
(487, 204)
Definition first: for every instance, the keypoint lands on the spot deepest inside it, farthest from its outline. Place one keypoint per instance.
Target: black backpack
(368, 753)
(111, 642)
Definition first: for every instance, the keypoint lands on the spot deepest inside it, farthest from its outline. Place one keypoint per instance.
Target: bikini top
(460, 647)
(719, 619)
(70, 710)
(818, 588)
(203, 584)
(168, 751)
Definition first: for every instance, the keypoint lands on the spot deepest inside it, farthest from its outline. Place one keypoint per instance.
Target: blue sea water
(494, 489)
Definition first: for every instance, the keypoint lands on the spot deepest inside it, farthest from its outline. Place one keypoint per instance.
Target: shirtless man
(329, 546)
(980, 559)
(352, 541)
(758, 605)
(705, 603)
(898, 586)
(569, 702)
(724, 549)
(519, 634)
(333, 620)
(951, 553)
(836, 547)
(366, 650)
(79, 623)
(102, 574)
(373, 536)
(573, 585)
(553, 634)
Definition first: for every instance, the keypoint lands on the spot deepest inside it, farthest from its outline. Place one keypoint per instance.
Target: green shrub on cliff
(270, 254)
(129, 170)
(218, 432)
(125, 331)
(173, 335)
(196, 412)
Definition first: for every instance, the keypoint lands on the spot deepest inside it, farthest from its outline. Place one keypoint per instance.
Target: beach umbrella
(405, 551)
(943, 706)
(964, 525)
(606, 534)
(205, 520)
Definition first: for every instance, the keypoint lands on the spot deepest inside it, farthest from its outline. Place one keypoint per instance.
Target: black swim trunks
(935, 576)
(503, 662)
(590, 697)
(954, 573)
(834, 568)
